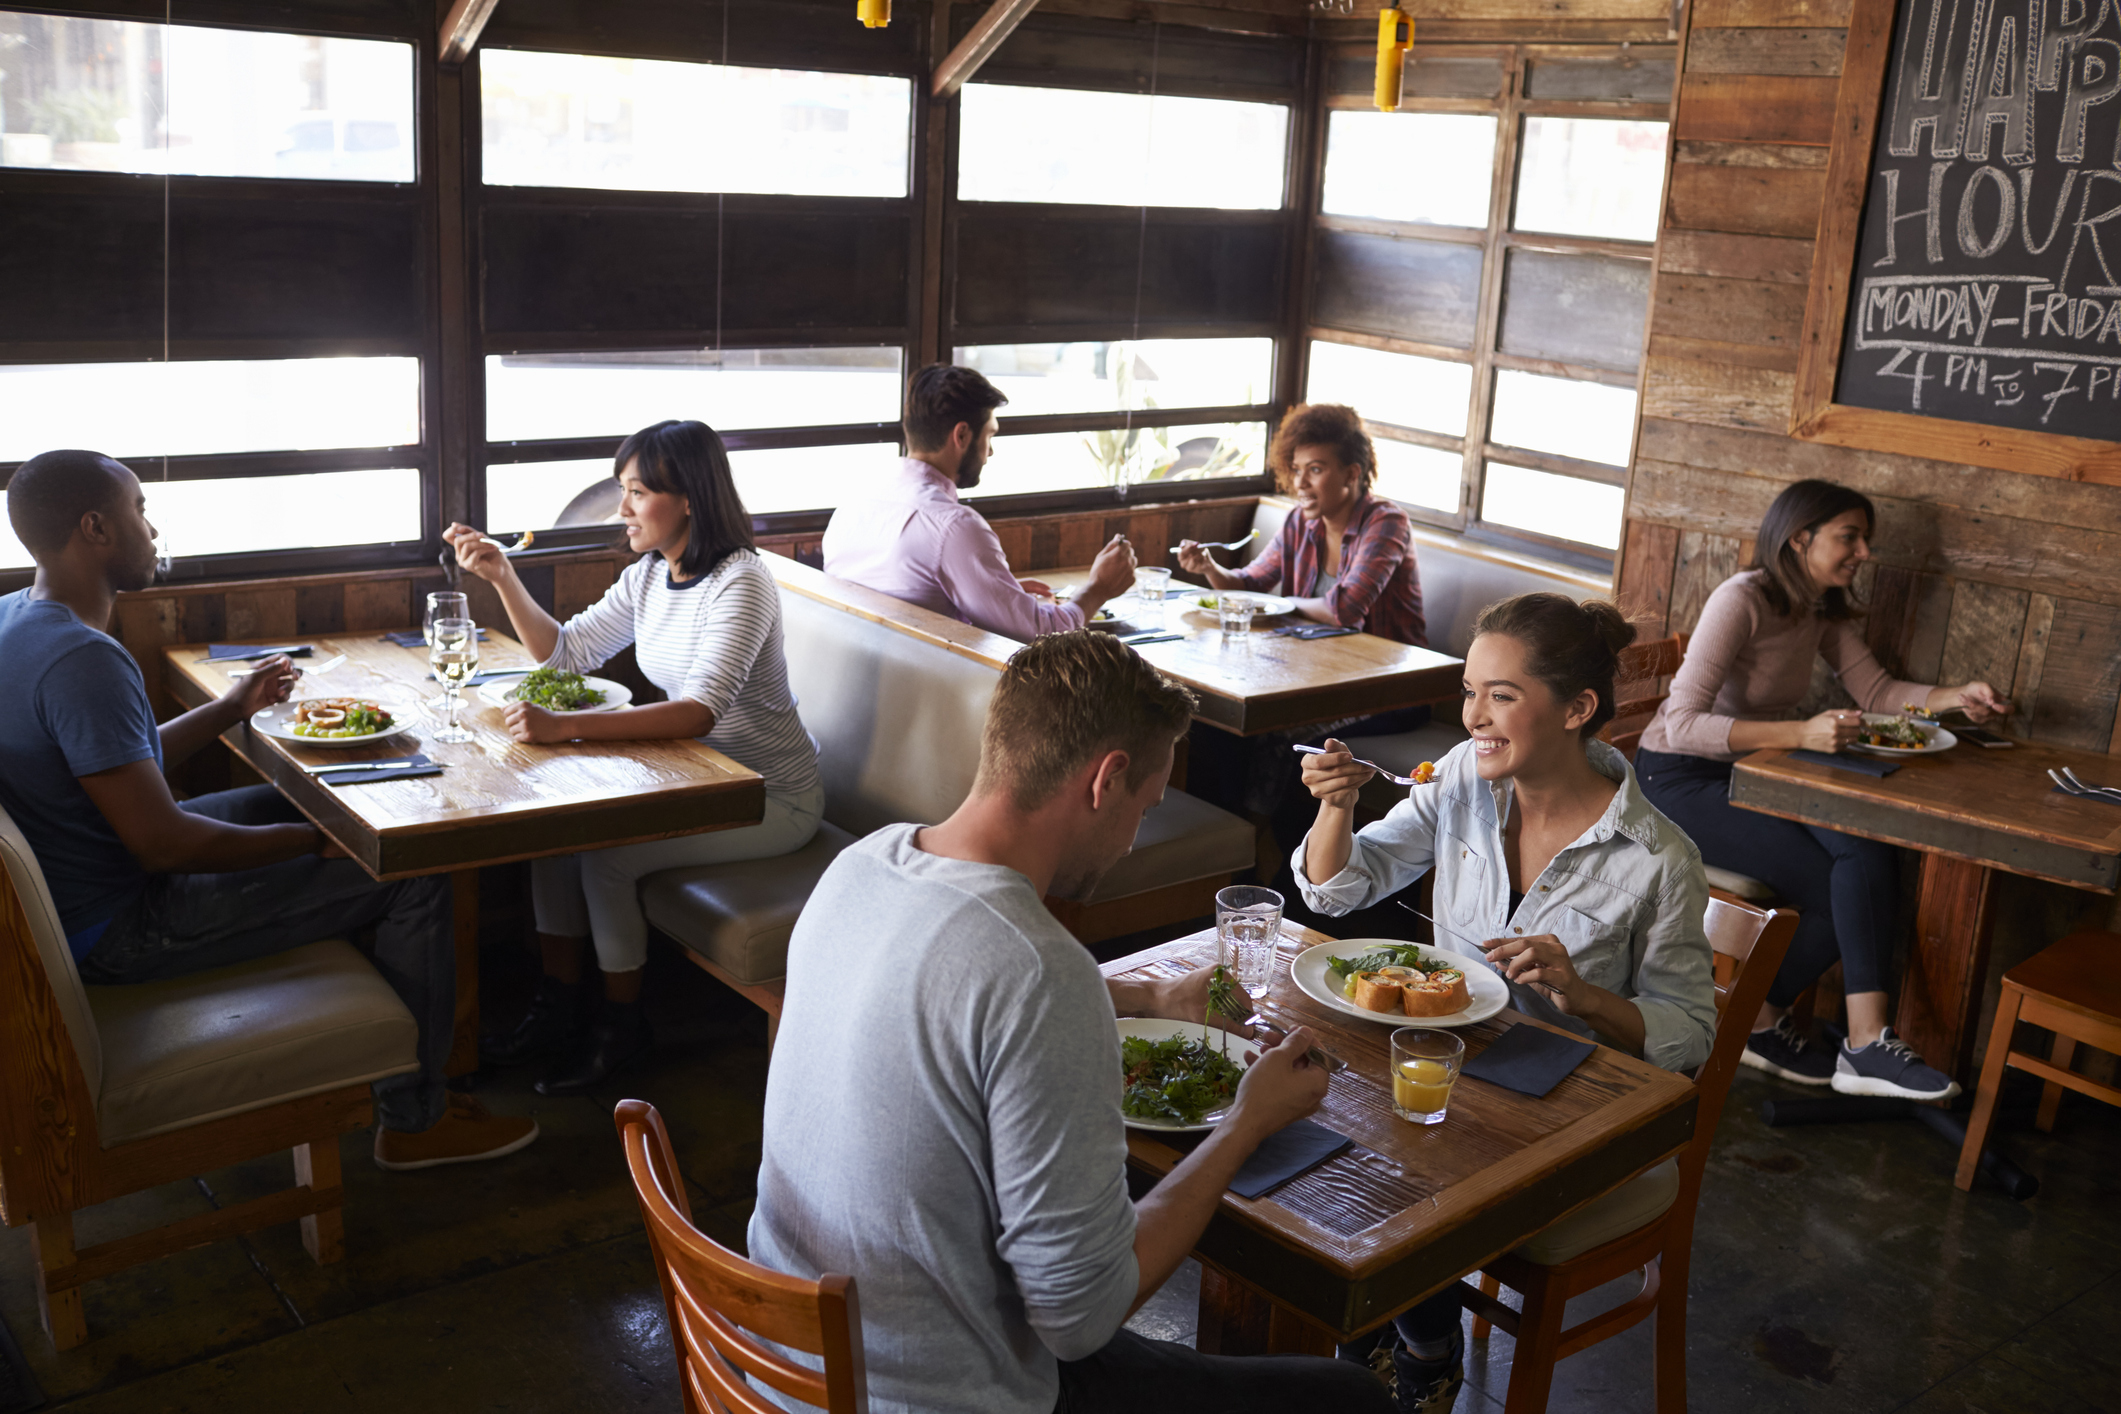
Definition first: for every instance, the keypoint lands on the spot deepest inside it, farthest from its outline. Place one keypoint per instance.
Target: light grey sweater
(942, 1124)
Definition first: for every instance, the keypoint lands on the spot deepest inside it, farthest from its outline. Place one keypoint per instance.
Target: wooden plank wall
(1977, 573)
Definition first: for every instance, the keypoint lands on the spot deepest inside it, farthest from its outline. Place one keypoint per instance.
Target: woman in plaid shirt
(1347, 556)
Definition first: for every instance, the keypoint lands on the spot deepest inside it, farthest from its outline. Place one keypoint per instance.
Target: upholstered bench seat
(740, 916)
(211, 1044)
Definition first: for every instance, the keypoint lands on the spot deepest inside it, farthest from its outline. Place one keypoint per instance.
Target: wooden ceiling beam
(978, 46)
(461, 27)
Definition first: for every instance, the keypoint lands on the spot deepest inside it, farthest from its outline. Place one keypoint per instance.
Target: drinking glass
(453, 652)
(447, 604)
(1149, 587)
(1425, 1064)
(1236, 611)
(1247, 933)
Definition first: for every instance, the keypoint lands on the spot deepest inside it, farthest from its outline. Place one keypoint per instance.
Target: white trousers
(597, 893)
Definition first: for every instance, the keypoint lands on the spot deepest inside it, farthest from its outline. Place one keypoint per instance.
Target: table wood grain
(1411, 1208)
(498, 799)
(1267, 683)
(1972, 811)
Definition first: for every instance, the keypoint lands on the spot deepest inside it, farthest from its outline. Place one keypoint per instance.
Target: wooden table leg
(1237, 1318)
(1940, 994)
(464, 1048)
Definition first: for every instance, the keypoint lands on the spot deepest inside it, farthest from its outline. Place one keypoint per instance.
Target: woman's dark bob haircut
(688, 459)
(1803, 507)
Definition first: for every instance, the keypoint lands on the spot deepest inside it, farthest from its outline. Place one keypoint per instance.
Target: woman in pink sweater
(1748, 666)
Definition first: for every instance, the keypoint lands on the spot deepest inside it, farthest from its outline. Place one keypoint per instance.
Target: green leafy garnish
(1177, 1081)
(1390, 955)
(1224, 997)
(557, 691)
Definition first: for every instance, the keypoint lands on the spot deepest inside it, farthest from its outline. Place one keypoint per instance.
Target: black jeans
(185, 923)
(1846, 890)
(1158, 1377)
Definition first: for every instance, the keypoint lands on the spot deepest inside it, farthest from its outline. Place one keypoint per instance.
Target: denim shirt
(1626, 898)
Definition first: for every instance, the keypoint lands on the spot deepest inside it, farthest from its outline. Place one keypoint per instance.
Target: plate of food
(1379, 979)
(1269, 606)
(1179, 1076)
(556, 691)
(327, 721)
(1884, 734)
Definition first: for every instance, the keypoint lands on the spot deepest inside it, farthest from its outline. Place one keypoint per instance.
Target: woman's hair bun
(1609, 623)
(1572, 646)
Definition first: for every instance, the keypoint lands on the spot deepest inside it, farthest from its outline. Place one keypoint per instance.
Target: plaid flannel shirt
(1379, 589)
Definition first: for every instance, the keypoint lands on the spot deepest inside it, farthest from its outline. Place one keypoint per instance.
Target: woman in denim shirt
(1591, 901)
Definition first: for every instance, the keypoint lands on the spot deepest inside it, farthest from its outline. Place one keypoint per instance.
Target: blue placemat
(1284, 1154)
(1528, 1059)
(1862, 765)
(240, 652)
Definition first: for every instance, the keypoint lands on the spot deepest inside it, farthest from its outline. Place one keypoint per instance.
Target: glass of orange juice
(1425, 1063)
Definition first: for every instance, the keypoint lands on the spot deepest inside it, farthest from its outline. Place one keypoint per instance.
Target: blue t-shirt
(78, 706)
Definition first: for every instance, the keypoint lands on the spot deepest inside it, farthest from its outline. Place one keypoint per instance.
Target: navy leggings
(1846, 890)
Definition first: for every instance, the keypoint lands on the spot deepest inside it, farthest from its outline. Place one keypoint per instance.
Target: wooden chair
(2070, 989)
(1749, 946)
(721, 1306)
(1643, 666)
(106, 1091)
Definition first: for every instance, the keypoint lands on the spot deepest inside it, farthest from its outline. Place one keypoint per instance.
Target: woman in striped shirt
(703, 616)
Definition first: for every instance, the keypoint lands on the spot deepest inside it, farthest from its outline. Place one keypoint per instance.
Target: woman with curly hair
(1347, 556)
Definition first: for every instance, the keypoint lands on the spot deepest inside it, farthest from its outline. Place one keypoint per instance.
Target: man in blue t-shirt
(148, 888)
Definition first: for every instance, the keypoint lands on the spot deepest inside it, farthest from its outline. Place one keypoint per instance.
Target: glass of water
(453, 652)
(1247, 933)
(1236, 611)
(448, 604)
(1150, 583)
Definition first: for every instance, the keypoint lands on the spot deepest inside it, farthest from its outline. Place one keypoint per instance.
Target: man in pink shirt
(914, 540)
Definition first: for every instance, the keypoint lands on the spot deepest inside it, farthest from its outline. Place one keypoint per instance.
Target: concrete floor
(1835, 1268)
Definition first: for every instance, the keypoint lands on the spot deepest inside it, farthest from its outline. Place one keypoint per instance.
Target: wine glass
(446, 604)
(453, 652)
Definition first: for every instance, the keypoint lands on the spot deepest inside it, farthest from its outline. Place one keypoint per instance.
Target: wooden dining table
(1973, 812)
(1408, 1208)
(496, 800)
(1265, 682)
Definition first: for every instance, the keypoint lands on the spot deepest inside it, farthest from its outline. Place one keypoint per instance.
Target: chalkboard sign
(1987, 280)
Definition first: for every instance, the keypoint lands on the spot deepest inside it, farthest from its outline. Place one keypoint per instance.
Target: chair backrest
(721, 1306)
(23, 878)
(1637, 691)
(1749, 945)
(895, 695)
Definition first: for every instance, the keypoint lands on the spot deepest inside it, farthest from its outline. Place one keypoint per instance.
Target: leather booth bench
(896, 698)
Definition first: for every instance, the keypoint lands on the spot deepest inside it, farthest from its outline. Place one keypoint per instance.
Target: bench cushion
(1182, 839)
(1641, 1200)
(202, 1047)
(739, 916)
(1744, 886)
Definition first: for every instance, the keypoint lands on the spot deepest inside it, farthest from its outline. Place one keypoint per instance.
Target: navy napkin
(1528, 1059)
(1314, 631)
(415, 638)
(1284, 1154)
(251, 652)
(365, 778)
(1862, 765)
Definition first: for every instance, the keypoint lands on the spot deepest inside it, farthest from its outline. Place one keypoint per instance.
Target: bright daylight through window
(579, 120)
(1436, 168)
(116, 96)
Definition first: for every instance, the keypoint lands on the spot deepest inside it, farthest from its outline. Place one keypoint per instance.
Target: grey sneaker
(1889, 1066)
(1784, 1050)
(1429, 1386)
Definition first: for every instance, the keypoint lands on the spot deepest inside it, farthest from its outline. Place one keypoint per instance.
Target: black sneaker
(1783, 1050)
(1429, 1386)
(1889, 1066)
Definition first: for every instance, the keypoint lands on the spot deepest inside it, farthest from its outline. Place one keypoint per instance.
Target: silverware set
(300, 671)
(2067, 780)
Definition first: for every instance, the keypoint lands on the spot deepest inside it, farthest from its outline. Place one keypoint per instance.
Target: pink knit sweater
(1746, 663)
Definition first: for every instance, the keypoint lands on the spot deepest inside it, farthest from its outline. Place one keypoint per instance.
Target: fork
(1396, 780)
(2073, 786)
(2087, 786)
(1223, 545)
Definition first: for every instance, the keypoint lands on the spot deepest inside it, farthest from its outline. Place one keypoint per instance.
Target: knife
(367, 766)
(324, 667)
(1453, 932)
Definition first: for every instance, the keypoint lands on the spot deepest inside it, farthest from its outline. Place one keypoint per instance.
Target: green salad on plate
(557, 691)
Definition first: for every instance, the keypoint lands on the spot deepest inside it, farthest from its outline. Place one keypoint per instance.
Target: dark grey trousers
(1158, 1377)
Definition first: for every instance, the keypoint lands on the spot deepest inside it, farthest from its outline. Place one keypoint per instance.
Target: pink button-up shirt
(915, 541)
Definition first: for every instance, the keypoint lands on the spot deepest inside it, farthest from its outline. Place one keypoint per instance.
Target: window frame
(1496, 242)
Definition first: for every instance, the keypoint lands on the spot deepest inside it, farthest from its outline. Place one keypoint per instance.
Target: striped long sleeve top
(715, 639)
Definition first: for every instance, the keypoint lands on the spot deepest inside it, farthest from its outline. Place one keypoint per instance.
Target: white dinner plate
(280, 721)
(1271, 606)
(1242, 1051)
(1490, 993)
(502, 691)
(1940, 739)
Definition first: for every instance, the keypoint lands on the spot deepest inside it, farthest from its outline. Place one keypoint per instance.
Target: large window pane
(1119, 149)
(115, 96)
(530, 397)
(1063, 461)
(1432, 167)
(1424, 476)
(580, 120)
(542, 495)
(1591, 177)
(1589, 421)
(1587, 512)
(1126, 375)
(1427, 393)
(182, 409)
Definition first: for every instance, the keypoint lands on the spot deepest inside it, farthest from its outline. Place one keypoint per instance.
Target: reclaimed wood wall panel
(2014, 579)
